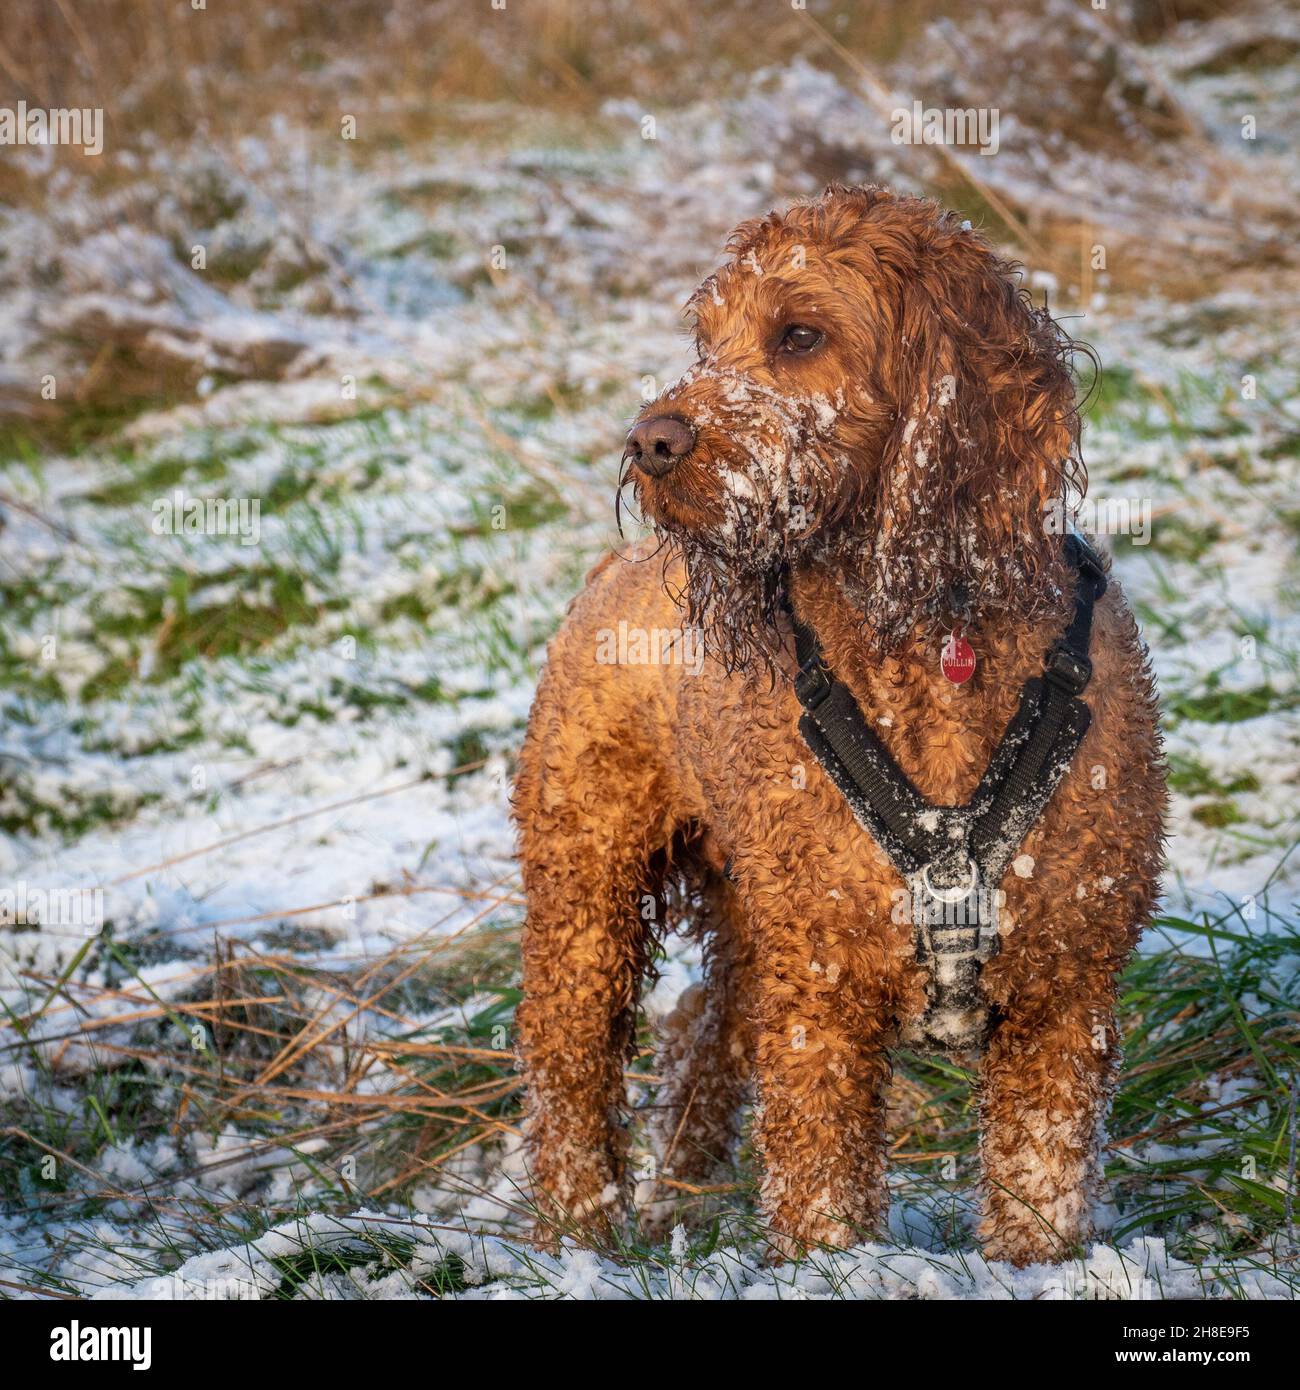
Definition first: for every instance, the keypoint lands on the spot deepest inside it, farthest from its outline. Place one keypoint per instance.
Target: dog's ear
(986, 435)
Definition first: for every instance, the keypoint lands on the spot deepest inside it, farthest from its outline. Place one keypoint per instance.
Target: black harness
(953, 858)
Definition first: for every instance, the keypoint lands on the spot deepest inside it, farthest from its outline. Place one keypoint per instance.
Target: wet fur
(898, 474)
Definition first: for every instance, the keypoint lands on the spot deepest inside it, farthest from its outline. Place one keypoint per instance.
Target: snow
(495, 1269)
(314, 814)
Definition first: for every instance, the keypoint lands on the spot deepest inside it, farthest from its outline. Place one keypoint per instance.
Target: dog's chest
(758, 775)
(939, 733)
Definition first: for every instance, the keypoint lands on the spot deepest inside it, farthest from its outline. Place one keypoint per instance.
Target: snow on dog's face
(765, 471)
(780, 412)
(872, 391)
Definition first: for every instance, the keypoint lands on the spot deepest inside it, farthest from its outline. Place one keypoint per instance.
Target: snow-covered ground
(254, 743)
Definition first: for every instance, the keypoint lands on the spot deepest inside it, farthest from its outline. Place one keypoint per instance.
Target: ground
(266, 1050)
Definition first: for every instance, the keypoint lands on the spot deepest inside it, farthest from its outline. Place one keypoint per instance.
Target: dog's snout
(655, 445)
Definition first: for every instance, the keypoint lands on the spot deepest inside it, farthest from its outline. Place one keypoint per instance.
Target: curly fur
(893, 477)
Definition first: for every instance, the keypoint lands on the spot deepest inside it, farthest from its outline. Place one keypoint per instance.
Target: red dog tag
(958, 660)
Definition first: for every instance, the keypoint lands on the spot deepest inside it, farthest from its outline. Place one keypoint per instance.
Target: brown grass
(157, 66)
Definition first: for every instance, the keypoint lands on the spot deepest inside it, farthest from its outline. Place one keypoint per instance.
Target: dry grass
(379, 1079)
(169, 69)
(337, 1074)
(413, 70)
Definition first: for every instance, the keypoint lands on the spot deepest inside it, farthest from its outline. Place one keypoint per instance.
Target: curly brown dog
(879, 426)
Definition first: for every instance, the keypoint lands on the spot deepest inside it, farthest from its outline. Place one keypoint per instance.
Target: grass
(388, 1083)
(1200, 1129)
(309, 1066)
(1215, 705)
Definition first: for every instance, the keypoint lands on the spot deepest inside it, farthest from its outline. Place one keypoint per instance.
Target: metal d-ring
(950, 895)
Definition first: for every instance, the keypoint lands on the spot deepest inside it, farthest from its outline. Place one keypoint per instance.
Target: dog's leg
(706, 1053)
(819, 1125)
(587, 873)
(1045, 1086)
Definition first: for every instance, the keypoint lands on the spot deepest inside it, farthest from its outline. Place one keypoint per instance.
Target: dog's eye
(800, 338)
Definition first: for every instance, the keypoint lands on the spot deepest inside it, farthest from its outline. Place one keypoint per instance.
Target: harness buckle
(955, 893)
(954, 938)
(951, 916)
(813, 684)
(1067, 669)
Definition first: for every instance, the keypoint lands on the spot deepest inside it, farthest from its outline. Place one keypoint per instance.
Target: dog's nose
(656, 445)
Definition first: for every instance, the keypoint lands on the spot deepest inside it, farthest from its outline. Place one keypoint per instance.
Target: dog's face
(871, 390)
(769, 439)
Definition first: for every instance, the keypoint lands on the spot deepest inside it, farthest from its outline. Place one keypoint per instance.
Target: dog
(870, 445)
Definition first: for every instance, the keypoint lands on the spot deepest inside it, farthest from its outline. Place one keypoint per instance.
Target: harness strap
(946, 847)
(860, 765)
(1056, 732)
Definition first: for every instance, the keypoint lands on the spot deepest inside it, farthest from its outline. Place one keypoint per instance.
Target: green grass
(1191, 777)
(1215, 705)
(141, 482)
(1205, 1173)
(476, 549)
(181, 625)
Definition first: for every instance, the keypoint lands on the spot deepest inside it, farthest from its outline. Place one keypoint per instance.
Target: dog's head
(873, 391)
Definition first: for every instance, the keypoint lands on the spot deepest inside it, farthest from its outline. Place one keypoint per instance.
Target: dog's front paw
(1026, 1244)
